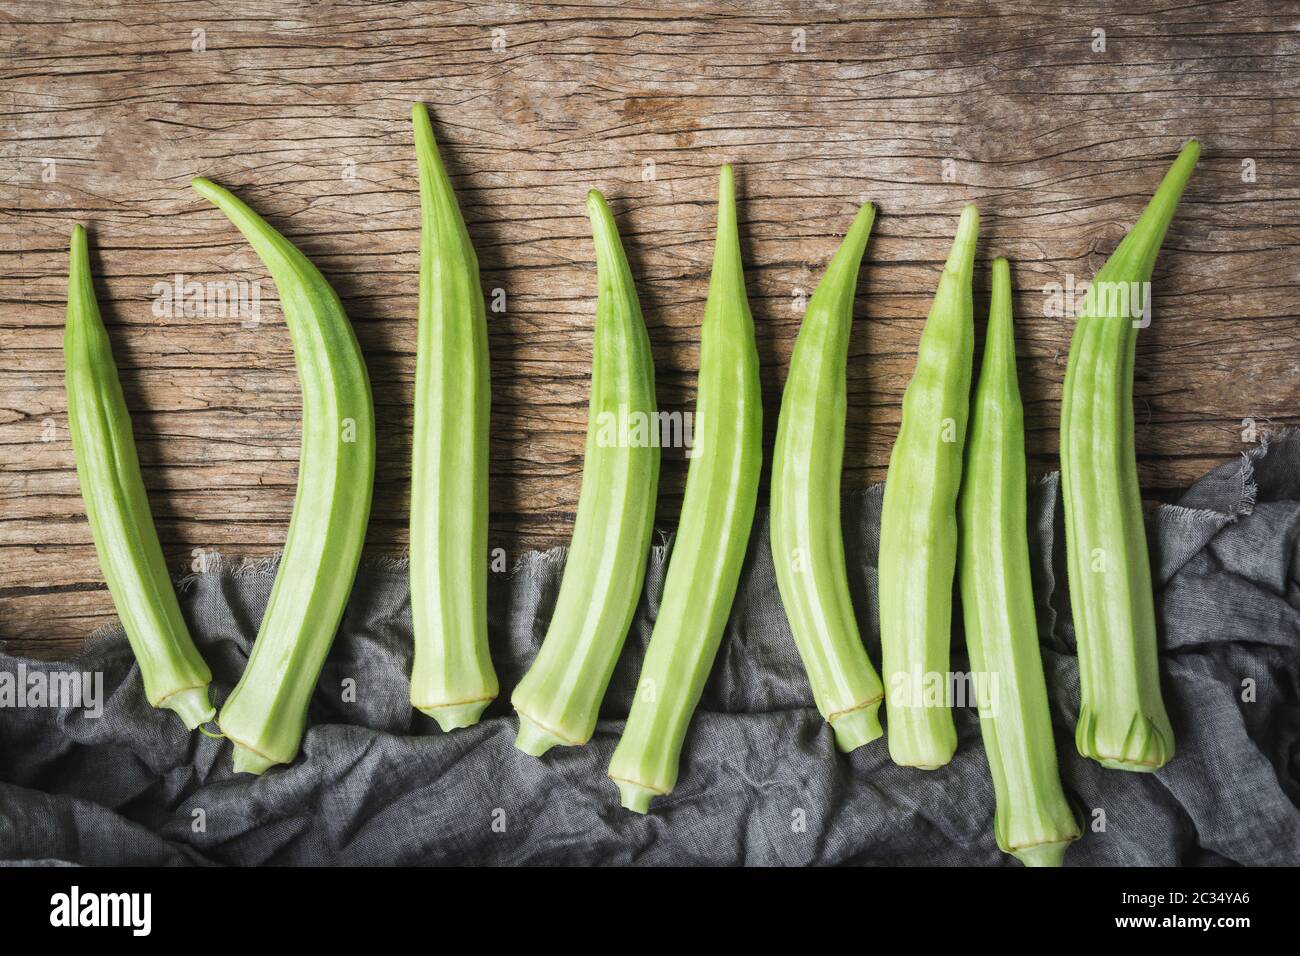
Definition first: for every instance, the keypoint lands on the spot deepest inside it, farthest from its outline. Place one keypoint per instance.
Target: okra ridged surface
(117, 507)
(709, 548)
(806, 535)
(1033, 820)
(265, 716)
(1122, 720)
(558, 700)
(452, 679)
(918, 521)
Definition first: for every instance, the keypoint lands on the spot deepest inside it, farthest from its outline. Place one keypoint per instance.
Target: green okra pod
(452, 679)
(709, 548)
(807, 538)
(559, 698)
(117, 507)
(266, 714)
(1122, 720)
(918, 520)
(1033, 820)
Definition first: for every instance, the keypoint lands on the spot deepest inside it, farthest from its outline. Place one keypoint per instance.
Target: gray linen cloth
(761, 781)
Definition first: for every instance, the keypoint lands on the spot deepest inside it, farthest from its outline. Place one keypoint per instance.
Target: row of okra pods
(955, 504)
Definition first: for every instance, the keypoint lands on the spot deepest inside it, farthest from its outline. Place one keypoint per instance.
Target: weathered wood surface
(302, 108)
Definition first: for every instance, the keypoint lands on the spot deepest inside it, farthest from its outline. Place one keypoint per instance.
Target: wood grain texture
(302, 109)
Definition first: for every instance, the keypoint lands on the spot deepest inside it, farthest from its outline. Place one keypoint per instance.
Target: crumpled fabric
(761, 782)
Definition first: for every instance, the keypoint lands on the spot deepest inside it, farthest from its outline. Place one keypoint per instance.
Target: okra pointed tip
(192, 706)
(1175, 180)
(849, 255)
(635, 797)
(969, 223)
(454, 716)
(863, 220)
(424, 139)
(999, 308)
(1001, 282)
(1044, 854)
(1180, 170)
(961, 258)
(857, 727)
(602, 218)
(727, 189)
(726, 192)
(604, 230)
(209, 190)
(726, 245)
(79, 250)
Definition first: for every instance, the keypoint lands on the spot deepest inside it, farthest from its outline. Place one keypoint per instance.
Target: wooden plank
(109, 110)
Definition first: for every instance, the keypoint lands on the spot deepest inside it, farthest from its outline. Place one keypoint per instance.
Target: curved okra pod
(918, 520)
(709, 549)
(559, 698)
(1122, 720)
(1033, 821)
(266, 713)
(117, 507)
(807, 538)
(452, 679)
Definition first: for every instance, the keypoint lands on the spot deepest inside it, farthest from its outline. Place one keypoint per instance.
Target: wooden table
(1059, 134)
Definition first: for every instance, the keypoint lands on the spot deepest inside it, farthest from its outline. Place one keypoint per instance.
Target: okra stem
(117, 508)
(918, 522)
(807, 539)
(709, 548)
(1122, 720)
(559, 698)
(1033, 821)
(266, 714)
(452, 679)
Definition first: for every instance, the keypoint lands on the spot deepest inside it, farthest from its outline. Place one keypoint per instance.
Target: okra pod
(807, 539)
(266, 714)
(1122, 719)
(709, 549)
(1033, 821)
(452, 679)
(918, 521)
(559, 698)
(117, 508)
